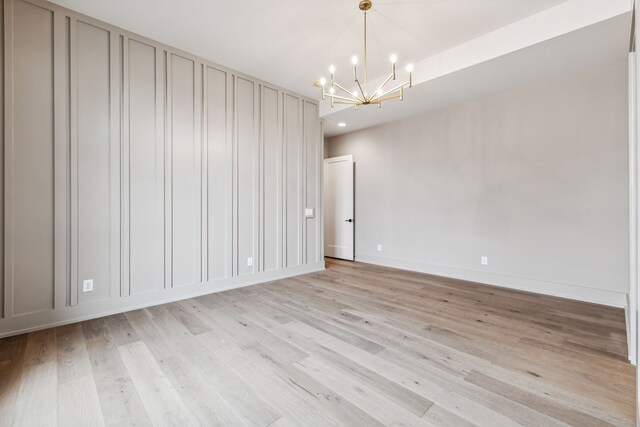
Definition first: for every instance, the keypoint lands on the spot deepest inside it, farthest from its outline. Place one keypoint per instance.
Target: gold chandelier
(362, 97)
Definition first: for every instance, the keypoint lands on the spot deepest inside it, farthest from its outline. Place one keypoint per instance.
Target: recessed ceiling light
(342, 124)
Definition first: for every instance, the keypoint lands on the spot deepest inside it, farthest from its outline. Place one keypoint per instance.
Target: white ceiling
(291, 42)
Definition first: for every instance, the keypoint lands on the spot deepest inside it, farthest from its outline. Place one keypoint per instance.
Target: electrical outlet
(87, 285)
(379, 247)
(249, 262)
(484, 260)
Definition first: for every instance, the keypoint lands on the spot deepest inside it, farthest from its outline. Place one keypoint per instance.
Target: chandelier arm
(382, 85)
(349, 103)
(343, 98)
(346, 91)
(390, 91)
(364, 94)
(386, 98)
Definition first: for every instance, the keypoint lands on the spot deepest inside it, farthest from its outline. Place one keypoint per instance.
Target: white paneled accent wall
(154, 173)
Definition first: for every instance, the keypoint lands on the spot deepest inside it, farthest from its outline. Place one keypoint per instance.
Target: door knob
(348, 220)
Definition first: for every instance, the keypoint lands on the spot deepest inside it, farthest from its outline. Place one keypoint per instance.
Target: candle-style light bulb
(332, 90)
(354, 61)
(410, 70)
(322, 82)
(332, 68)
(393, 59)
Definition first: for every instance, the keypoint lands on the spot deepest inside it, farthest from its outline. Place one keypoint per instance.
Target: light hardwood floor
(355, 345)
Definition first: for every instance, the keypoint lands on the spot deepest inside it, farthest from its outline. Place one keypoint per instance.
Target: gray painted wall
(151, 171)
(536, 179)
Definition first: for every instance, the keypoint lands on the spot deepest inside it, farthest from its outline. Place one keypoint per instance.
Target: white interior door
(338, 207)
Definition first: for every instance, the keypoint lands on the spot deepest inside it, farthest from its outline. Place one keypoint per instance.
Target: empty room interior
(336, 213)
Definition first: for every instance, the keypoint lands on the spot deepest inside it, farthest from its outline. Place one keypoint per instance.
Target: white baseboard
(627, 322)
(563, 290)
(631, 332)
(47, 319)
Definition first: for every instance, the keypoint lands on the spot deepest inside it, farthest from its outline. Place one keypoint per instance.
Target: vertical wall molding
(257, 178)
(168, 174)
(167, 171)
(230, 172)
(234, 180)
(319, 194)
(125, 138)
(261, 172)
(73, 156)
(61, 155)
(204, 168)
(198, 100)
(300, 183)
(7, 155)
(280, 182)
(115, 166)
(161, 147)
(303, 181)
(320, 209)
(229, 187)
(283, 185)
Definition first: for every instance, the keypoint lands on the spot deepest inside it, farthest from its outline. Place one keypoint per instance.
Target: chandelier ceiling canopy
(362, 96)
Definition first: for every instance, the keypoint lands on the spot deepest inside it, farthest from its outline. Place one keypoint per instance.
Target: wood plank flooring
(356, 345)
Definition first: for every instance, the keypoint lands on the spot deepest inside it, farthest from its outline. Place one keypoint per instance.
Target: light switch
(308, 213)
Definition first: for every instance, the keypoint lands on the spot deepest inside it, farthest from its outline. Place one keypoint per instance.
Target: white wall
(536, 179)
(153, 172)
